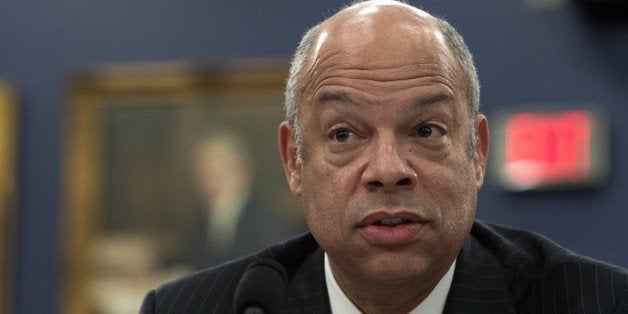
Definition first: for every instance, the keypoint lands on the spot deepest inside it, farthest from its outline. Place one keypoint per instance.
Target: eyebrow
(434, 100)
(327, 97)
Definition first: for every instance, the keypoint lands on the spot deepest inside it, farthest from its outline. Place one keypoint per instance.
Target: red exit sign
(549, 150)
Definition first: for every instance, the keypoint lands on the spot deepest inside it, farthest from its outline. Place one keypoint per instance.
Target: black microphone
(261, 288)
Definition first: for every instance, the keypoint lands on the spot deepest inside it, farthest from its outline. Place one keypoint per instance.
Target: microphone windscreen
(262, 286)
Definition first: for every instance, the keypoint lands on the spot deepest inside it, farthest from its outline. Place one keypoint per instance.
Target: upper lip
(377, 216)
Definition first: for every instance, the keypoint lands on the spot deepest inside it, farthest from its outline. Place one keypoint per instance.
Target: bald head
(366, 31)
(370, 16)
(377, 34)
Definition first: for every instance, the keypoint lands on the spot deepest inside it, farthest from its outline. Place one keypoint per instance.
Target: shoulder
(542, 276)
(519, 249)
(213, 288)
(526, 251)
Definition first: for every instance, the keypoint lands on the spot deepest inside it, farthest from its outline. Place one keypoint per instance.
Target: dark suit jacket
(499, 270)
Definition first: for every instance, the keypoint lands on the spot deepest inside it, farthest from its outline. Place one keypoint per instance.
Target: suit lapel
(479, 284)
(306, 292)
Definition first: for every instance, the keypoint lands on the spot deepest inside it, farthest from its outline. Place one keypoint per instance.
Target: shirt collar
(434, 303)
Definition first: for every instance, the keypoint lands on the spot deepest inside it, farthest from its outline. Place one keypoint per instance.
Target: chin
(394, 268)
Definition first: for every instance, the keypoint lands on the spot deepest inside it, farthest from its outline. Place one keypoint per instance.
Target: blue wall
(524, 55)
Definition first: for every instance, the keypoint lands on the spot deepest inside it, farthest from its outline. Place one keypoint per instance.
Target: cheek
(452, 187)
(323, 197)
(459, 215)
(328, 192)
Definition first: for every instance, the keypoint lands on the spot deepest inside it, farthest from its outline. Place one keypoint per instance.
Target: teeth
(391, 222)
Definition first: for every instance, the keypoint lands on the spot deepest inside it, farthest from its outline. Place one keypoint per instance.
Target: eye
(341, 135)
(425, 131)
(429, 131)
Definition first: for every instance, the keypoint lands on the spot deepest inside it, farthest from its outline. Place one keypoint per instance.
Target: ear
(288, 152)
(480, 157)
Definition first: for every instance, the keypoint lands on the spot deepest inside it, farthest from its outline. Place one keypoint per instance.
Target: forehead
(384, 39)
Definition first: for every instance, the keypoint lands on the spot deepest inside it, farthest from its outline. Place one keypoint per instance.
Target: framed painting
(8, 193)
(169, 168)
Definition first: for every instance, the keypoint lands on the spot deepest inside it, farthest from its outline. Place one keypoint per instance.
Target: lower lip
(391, 236)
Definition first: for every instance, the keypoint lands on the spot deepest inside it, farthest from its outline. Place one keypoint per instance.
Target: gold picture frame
(8, 193)
(140, 147)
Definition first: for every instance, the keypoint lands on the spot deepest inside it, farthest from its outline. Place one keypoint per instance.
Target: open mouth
(383, 219)
(391, 229)
(392, 222)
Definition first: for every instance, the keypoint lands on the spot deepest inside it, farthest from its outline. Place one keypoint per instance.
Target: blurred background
(557, 54)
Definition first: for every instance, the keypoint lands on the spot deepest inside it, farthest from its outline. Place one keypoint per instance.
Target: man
(387, 150)
(229, 221)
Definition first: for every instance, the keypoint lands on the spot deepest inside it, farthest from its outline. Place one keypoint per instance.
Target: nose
(387, 170)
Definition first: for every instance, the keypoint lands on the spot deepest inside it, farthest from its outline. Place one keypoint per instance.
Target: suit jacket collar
(307, 292)
(479, 284)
